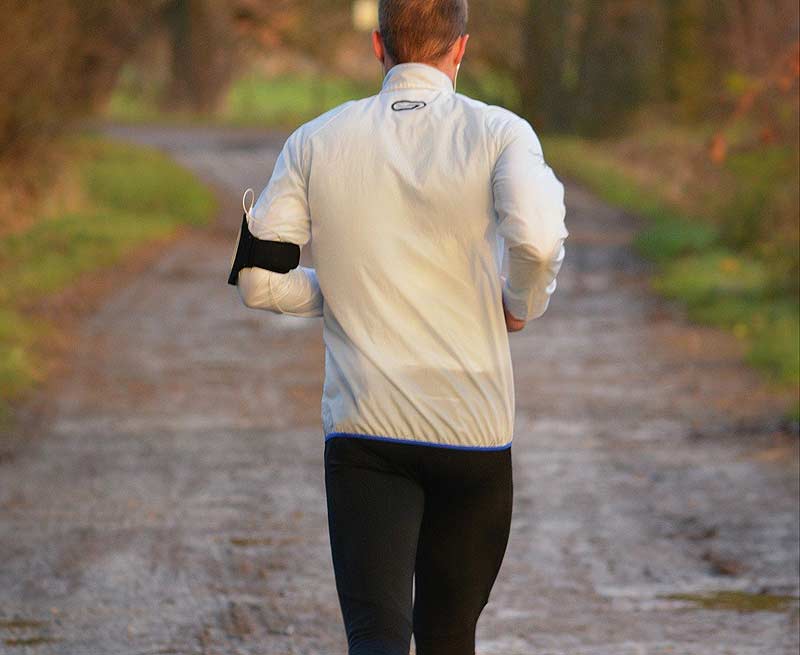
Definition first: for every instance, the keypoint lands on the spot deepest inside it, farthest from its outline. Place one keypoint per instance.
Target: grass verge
(282, 101)
(127, 197)
(720, 285)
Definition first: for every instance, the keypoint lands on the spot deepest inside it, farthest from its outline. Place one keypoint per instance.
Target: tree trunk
(541, 81)
(201, 40)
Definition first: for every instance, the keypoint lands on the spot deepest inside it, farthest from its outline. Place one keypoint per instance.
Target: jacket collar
(414, 75)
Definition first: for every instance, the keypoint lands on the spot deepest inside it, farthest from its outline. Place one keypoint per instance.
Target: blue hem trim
(373, 437)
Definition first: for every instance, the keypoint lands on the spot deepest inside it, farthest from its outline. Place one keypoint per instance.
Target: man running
(413, 196)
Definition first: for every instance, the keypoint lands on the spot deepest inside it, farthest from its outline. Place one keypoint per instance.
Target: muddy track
(173, 500)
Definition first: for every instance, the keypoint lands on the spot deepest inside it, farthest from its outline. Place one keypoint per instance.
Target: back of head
(421, 30)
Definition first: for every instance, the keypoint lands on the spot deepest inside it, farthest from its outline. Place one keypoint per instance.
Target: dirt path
(173, 501)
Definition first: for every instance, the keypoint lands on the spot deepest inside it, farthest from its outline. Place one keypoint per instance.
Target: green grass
(289, 100)
(17, 366)
(285, 101)
(720, 284)
(131, 196)
(732, 291)
(282, 101)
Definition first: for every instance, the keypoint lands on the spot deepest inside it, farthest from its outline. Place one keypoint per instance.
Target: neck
(449, 70)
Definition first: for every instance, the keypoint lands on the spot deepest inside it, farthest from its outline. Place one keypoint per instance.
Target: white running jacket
(412, 197)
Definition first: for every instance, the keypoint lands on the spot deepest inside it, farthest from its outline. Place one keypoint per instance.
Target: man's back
(405, 251)
(405, 193)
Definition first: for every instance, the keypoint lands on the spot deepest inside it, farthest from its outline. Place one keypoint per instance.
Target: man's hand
(513, 324)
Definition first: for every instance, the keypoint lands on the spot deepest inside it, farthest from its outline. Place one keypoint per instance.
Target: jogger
(438, 228)
(397, 509)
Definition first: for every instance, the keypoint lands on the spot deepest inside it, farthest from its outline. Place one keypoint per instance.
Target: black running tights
(400, 512)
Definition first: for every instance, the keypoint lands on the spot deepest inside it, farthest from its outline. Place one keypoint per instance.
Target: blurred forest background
(684, 111)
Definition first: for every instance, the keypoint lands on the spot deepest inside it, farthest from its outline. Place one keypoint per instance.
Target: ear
(460, 48)
(377, 45)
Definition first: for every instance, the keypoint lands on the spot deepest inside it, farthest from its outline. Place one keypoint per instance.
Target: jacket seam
(307, 138)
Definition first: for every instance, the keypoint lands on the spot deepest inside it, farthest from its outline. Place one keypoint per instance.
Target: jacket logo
(406, 105)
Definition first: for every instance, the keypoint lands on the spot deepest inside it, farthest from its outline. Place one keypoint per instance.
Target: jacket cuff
(515, 304)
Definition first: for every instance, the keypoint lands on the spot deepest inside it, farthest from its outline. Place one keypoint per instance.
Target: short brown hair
(421, 30)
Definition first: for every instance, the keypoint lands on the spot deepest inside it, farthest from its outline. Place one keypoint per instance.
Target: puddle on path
(16, 629)
(739, 601)
(20, 624)
(21, 642)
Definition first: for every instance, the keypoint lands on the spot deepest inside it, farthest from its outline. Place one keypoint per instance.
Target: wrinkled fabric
(412, 197)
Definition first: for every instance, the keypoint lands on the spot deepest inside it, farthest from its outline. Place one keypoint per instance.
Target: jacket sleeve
(296, 293)
(282, 214)
(529, 204)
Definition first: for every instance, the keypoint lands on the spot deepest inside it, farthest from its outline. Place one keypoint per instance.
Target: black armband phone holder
(251, 252)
